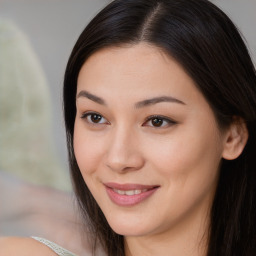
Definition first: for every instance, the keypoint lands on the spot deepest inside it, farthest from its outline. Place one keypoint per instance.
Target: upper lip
(129, 186)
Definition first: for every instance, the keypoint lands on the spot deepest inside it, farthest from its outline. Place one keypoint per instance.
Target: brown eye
(157, 122)
(94, 118)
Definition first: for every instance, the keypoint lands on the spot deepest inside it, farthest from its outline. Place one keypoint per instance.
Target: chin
(129, 232)
(126, 228)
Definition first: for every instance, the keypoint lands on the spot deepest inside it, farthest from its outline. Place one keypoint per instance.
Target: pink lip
(125, 200)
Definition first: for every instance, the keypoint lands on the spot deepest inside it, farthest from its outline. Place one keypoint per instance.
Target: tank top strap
(56, 248)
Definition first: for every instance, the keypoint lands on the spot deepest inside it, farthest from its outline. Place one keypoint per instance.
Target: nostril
(132, 163)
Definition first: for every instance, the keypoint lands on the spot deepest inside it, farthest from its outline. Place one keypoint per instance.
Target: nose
(123, 153)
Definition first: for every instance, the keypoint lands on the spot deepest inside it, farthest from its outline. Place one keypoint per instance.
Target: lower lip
(124, 200)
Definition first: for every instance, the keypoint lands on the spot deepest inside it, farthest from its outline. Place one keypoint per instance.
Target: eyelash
(168, 122)
(87, 114)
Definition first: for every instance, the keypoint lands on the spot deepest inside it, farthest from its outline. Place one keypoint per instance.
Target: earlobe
(236, 139)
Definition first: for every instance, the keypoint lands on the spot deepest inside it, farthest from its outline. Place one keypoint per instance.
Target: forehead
(143, 68)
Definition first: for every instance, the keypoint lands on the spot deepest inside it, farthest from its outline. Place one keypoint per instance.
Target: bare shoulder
(13, 246)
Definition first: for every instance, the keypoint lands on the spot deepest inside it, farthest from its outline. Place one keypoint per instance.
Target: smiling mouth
(129, 194)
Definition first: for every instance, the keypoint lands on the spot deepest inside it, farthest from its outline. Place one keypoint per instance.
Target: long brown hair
(207, 44)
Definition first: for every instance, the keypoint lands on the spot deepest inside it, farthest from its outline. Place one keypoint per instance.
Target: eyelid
(168, 120)
(88, 113)
(164, 118)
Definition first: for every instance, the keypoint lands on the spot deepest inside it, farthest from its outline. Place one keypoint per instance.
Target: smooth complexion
(142, 126)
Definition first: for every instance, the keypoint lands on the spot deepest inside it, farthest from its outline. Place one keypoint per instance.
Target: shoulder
(13, 246)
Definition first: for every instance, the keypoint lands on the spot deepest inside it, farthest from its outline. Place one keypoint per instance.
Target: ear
(236, 139)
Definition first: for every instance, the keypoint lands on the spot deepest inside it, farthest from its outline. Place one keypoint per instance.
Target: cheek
(192, 155)
(188, 169)
(87, 149)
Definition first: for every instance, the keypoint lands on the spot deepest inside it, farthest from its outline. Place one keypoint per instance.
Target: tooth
(129, 192)
(120, 192)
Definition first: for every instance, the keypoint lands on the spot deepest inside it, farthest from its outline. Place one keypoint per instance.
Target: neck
(187, 239)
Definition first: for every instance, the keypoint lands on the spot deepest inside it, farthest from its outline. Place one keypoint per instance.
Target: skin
(23, 247)
(181, 156)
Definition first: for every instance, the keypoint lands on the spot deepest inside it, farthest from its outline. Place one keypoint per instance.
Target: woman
(160, 112)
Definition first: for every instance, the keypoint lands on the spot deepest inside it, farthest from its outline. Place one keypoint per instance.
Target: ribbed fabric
(56, 248)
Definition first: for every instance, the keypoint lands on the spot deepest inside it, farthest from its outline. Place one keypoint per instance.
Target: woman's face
(146, 141)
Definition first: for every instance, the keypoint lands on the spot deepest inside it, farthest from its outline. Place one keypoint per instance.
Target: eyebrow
(91, 97)
(156, 100)
(140, 104)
